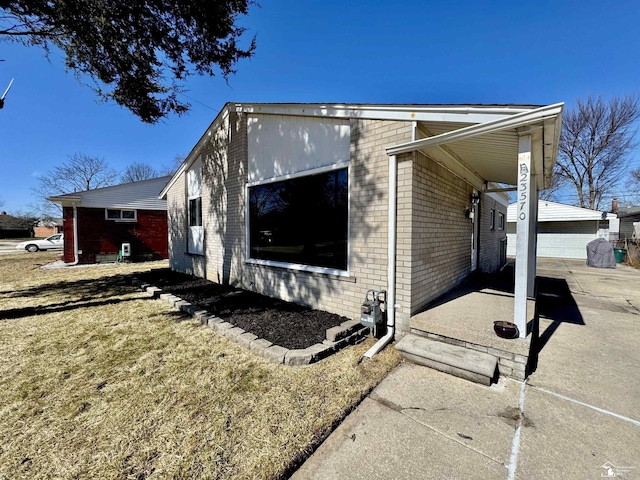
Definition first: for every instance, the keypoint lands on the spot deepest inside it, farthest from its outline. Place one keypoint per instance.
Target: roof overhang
(66, 200)
(477, 142)
(488, 152)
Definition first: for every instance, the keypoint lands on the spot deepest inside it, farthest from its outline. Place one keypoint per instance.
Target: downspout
(391, 266)
(75, 237)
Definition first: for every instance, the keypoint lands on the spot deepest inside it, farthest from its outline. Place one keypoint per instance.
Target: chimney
(614, 205)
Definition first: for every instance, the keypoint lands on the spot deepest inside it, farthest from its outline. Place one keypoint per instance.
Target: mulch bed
(282, 323)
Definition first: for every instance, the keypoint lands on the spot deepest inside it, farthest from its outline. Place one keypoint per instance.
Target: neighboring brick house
(293, 200)
(46, 228)
(97, 222)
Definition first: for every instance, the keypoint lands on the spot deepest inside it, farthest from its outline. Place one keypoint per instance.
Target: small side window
(120, 215)
(500, 221)
(492, 222)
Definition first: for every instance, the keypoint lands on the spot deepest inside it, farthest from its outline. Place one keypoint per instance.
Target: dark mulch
(282, 323)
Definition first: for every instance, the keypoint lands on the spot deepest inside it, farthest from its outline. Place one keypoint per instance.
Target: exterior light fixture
(475, 199)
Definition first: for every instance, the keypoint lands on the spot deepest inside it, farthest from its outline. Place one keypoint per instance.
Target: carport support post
(525, 230)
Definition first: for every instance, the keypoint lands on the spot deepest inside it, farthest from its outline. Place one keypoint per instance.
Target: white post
(523, 233)
(533, 240)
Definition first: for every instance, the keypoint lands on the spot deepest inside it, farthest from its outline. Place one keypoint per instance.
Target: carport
(517, 151)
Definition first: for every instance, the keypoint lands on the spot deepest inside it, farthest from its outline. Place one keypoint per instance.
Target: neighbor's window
(120, 215)
(301, 221)
(492, 222)
(500, 221)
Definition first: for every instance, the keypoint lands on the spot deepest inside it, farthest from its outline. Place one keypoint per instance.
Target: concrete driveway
(576, 417)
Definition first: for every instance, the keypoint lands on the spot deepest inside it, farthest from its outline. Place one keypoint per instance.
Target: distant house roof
(9, 222)
(51, 222)
(559, 212)
(141, 195)
(627, 211)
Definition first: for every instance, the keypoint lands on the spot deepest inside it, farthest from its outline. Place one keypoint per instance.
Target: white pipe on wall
(391, 266)
(75, 236)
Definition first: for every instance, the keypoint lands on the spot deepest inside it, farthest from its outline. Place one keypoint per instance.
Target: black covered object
(600, 254)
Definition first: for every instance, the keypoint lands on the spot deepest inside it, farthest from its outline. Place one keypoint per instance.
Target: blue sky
(336, 52)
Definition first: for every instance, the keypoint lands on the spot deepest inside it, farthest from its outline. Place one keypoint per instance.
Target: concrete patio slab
(373, 443)
(480, 417)
(469, 317)
(569, 441)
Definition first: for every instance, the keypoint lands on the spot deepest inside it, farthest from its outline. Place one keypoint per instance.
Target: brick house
(48, 227)
(317, 204)
(97, 222)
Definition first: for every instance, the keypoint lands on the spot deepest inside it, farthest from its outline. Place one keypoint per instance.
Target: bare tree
(81, 172)
(173, 166)
(137, 172)
(28, 220)
(597, 138)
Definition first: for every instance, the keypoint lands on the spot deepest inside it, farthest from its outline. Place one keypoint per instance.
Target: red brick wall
(67, 229)
(96, 236)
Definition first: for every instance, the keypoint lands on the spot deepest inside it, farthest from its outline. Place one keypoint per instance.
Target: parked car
(54, 242)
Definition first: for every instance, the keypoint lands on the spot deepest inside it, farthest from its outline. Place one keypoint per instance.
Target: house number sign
(523, 195)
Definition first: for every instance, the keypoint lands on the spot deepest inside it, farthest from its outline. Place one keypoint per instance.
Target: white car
(54, 242)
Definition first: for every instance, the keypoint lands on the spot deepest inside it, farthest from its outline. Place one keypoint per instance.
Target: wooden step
(459, 361)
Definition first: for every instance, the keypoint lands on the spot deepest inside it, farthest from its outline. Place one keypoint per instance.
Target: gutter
(391, 266)
(75, 237)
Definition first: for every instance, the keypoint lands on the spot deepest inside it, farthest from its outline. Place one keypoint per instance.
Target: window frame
(492, 221)
(120, 217)
(501, 223)
(299, 266)
(194, 180)
(198, 207)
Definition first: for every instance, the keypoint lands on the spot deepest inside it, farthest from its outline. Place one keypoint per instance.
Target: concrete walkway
(576, 417)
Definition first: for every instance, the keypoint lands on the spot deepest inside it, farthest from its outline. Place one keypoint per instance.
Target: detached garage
(563, 230)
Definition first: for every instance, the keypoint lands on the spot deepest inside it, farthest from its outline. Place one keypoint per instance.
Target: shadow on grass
(77, 294)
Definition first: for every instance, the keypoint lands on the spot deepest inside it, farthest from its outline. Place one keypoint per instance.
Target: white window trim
(304, 173)
(298, 266)
(492, 221)
(122, 220)
(195, 234)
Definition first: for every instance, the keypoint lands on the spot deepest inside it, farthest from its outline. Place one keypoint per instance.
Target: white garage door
(559, 239)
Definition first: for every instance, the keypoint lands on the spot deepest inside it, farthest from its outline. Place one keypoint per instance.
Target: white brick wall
(434, 236)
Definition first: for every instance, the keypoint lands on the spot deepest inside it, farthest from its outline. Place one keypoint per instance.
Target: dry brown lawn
(98, 380)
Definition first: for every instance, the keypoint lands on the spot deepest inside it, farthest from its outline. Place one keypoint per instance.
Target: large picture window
(301, 221)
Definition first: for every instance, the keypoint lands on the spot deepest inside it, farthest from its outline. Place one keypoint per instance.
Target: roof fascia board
(66, 200)
(457, 114)
(195, 151)
(518, 120)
